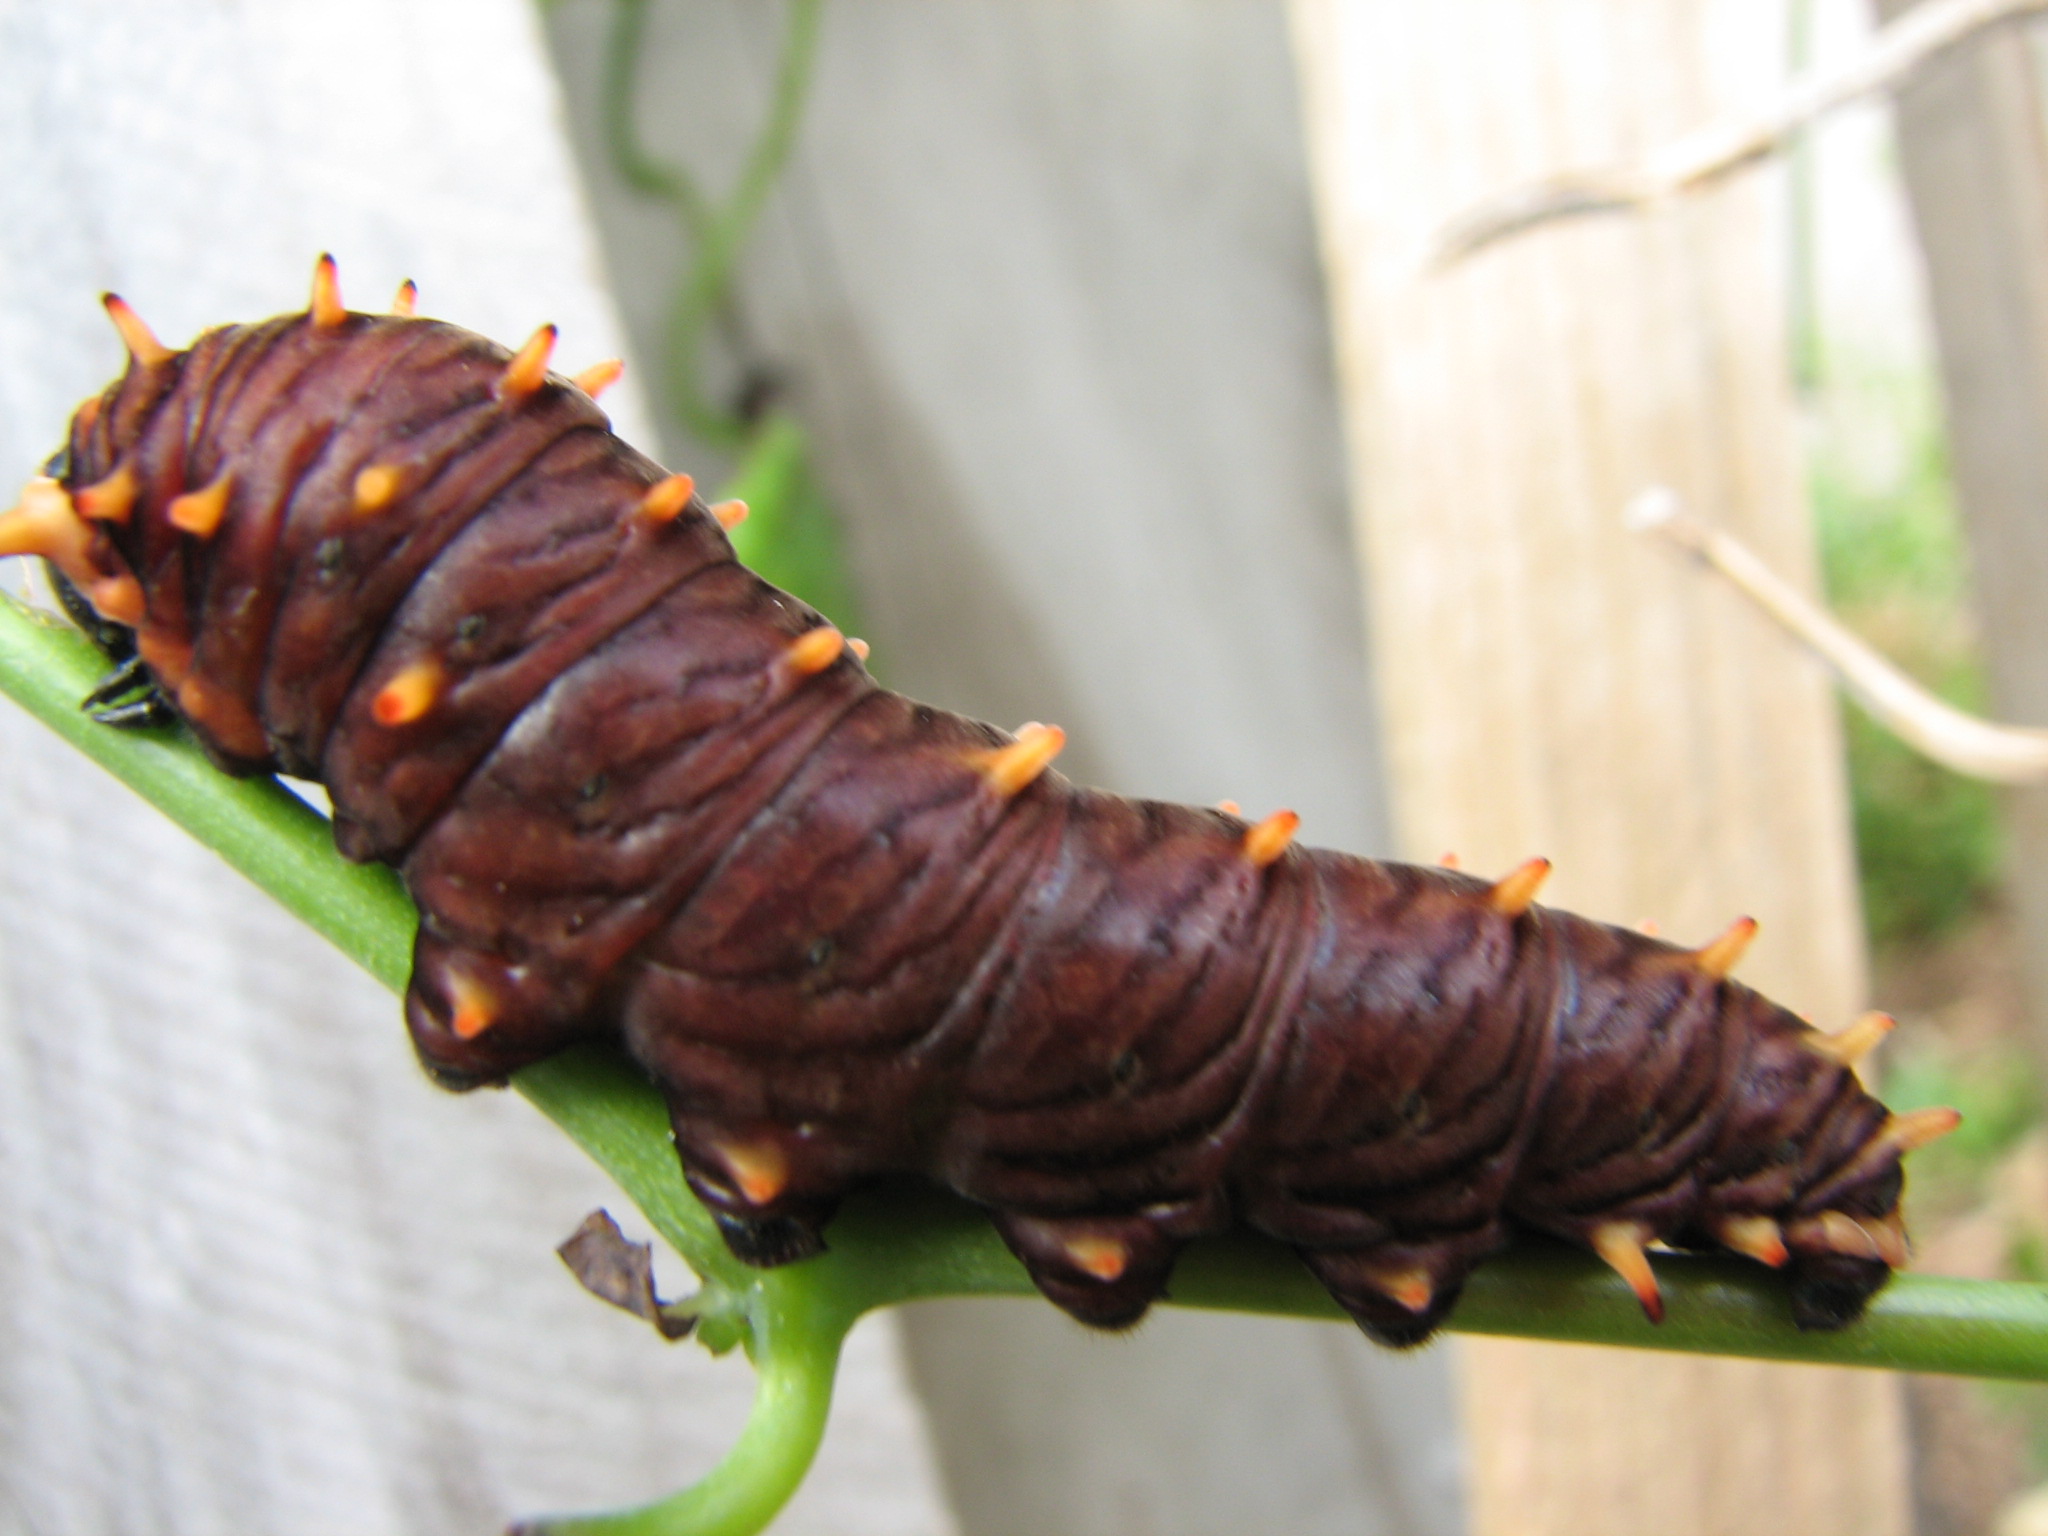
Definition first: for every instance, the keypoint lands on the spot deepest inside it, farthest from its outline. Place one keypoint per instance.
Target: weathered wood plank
(1975, 161)
(1550, 684)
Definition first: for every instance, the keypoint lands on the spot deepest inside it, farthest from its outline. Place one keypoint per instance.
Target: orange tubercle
(45, 522)
(814, 650)
(409, 695)
(111, 500)
(1865, 1237)
(859, 647)
(136, 335)
(377, 487)
(1011, 769)
(1758, 1237)
(730, 514)
(599, 377)
(474, 1009)
(528, 369)
(1103, 1257)
(665, 499)
(1851, 1045)
(1410, 1288)
(406, 303)
(1912, 1131)
(1725, 953)
(1890, 1232)
(327, 310)
(1515, 892)
(199, 513)
(118, 598)
(758, 1168)
(1264, 843)
(1620, 1246)
(1845, 1234)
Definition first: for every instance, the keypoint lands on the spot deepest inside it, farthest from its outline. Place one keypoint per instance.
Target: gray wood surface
(1554, 684)
(1044, 282)
(257, 1275)
(1974, 156)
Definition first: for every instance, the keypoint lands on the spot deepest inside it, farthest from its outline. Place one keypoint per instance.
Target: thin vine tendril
(716, 231)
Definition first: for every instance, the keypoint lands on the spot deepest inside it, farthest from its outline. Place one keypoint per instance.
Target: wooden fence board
(1553, 684)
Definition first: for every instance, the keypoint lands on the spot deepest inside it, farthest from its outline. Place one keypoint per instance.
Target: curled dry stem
(1893, 55)
(1982, 749)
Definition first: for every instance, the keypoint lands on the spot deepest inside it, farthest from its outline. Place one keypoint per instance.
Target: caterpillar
(641, 796)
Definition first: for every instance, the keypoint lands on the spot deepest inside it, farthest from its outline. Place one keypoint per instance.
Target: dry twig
(2004, 754)
(1893, 55)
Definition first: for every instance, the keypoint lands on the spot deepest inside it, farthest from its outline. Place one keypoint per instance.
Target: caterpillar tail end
(769, 1242)
(1831, 1290)
(1836, 1262)
(1840, 1259)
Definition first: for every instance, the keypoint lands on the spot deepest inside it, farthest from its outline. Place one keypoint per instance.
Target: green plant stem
(798, 1359)
(1713, 1306)
(630, 159)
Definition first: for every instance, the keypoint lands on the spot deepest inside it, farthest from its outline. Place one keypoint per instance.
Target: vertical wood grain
(1975, 161)
(1553, 684)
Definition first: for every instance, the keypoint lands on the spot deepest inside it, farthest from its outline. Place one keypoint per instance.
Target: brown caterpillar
(640, 795)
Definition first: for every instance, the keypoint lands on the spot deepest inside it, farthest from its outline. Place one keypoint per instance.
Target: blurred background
(1097, 364)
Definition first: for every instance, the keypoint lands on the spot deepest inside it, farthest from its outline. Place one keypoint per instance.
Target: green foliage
(1927, 839)
(1995, 1087)
(791, 537)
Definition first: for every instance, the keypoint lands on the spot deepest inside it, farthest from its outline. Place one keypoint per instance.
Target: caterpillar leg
(477, 1018)
(769, 1192)
(129, 695)
(766, 1242)
(1399, 1294)
(1104, 1270)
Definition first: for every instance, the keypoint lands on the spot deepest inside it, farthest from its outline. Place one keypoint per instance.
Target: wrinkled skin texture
(839, 950)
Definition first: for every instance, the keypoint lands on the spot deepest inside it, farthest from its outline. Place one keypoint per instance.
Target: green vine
(716, 231)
